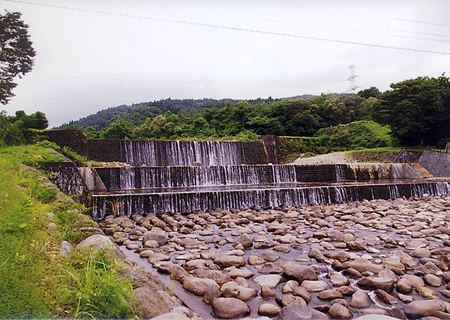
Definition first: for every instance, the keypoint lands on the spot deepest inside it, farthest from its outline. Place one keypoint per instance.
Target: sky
(97, 54)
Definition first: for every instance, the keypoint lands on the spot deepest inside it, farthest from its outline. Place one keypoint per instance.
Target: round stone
(268, 309)
(432, 280)
(314, 286)
(229, 308)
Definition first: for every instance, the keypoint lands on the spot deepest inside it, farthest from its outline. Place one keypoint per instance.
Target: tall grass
(34, 279)
(23, 256)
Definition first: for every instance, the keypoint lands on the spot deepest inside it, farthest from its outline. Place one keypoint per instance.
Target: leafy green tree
(9, 133)
(16, 53)
(417, 110)
(371, 92)
(35, 120)
(119, 129)
(161, 127)
(265, 125)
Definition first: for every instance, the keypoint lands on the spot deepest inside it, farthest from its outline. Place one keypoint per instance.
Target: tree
(417, 110)
(119, 129)
(371, 92)
(16, 53)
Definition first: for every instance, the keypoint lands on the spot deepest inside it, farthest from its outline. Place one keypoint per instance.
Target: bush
(91, 288)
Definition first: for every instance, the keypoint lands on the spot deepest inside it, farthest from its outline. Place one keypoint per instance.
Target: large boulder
(200, 286)
(229, 308)
(423, 308)
(373, 283)
(99, 243)
(298, 271)
(225, 261)
(150, 303)
(297, 311)
(156, 234)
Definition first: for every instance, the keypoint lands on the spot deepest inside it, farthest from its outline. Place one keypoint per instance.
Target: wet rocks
(424, 308)
(224, 261)
(379, 257)
(229, 308)
(200, 286)
(298, 271)
(360, 299)
(298, 311)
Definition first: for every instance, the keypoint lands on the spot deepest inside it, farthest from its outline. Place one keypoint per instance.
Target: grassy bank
(36, 281)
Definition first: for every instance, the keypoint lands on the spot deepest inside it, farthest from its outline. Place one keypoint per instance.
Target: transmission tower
(352, 79)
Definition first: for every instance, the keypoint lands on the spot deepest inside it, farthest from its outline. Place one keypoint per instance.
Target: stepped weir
(185, 176)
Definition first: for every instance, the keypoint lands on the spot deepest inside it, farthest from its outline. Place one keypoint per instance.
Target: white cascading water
(170, 183)
(182, 153)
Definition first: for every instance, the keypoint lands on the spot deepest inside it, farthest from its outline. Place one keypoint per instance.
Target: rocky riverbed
(342, 261)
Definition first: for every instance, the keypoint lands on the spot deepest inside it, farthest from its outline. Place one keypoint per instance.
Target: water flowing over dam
(185, 176)
(182, 153)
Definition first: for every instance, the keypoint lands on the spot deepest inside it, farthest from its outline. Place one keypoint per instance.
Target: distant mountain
(137, 113)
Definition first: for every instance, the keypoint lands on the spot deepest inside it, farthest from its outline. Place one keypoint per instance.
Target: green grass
(33, 276)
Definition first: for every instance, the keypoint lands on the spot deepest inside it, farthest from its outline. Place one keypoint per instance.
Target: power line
(424, 33)
(235, 28)
(423, 22)
(405, 37)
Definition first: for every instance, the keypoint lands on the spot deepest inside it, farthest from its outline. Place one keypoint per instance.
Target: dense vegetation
(417, 110)
(20, 129)
(136, 113)
(243, 120)
(34, 278)
(353, 136)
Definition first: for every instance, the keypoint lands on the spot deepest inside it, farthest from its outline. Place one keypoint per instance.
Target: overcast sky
(96, 54)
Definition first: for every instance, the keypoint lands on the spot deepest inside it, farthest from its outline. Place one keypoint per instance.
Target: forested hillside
(416, 112)
(137, 113)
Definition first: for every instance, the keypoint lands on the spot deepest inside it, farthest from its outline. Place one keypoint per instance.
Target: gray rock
(224, 261)
(151, 303)
(298, 271)
(234, 290)
(329, 295)
(240, 272)
(338, 311)
(431, 268)
(96, 243)
(156, 234)
(427, 293)
(423, 308)
(269, 309)
(255, 260)
(215, 275)
(371, 283)
(287, 299)
(269, 255)
(375, 317)
(338, 280)
(270, 281)
(415, 281)
(360, 299)
(432, 280)
(385, 297)
(65, 249)
(229, 308)
(362, 265)
(199, 286)
(297, 311)
(245, 240)
(314, 286)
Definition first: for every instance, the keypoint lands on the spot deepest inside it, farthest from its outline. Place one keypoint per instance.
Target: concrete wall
(437, 163)
(74, 139)
(110, 150)
(68, 179)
